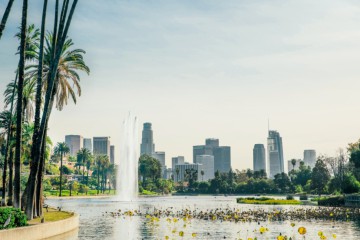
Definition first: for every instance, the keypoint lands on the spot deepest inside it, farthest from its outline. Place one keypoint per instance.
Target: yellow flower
(302, 230)
(173, 231)
(262, 230)
(334, 235)
(280, 237)
(320, 233)
(292, 224)
(167, 237)
(181, 233)
(323, 237)
(250, 239)
(175, 220)
(193, 234)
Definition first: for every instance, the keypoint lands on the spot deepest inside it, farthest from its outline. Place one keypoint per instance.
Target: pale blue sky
(198, 69)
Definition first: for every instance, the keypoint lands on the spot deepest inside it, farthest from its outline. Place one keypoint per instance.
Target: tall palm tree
(83, 155)
(177, 174)
(293, 163)
(17, 200)
(61, 149)
(5, 17)
(89, 162)
(61, 28)
(202, 175)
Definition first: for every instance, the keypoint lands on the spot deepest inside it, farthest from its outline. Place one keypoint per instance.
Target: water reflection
(97, 223)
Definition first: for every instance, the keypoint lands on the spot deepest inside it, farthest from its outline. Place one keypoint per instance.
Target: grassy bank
(66, 193)
(52, 215)
(267, 201)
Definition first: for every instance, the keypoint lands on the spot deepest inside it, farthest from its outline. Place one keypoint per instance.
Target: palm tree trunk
(83, 173)
(40, 177)
(87, 177)
(61, 166)
(11, 171)
(98, 179)
(5, 17)
(17, 200)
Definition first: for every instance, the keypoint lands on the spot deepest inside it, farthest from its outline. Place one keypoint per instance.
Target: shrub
(289, 197)
(17, 218)
(332, 202)
(303, 197)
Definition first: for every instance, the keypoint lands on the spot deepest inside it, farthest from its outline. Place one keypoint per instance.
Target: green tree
(61, 149)
(320, 176)
(293, 163)
(283, 183)
(83, 156)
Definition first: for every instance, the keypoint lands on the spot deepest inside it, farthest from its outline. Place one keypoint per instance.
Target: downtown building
(180, 175)
(310, 158)
(259, 159)
(88, 144)
(147, 147)
(75, 143)
(207, 171)
(101, 146)
(112, 154)
(275, 153)
(222, 154)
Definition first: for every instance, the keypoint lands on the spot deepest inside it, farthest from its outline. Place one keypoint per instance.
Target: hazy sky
(199, 69)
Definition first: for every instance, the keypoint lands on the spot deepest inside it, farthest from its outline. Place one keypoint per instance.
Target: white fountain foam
(127, 174)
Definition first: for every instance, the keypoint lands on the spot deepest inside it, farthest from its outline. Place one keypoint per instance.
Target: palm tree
(83, 155)
(177, 174)
(17, 200)
(105, 166)
(61, 149)
(5, 17)
(202, 175)
(89, 162)
(293, 163)
(61, 28)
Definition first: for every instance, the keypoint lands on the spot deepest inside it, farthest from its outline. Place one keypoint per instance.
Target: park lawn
(52, 215)
(66, 193)
(266, 201)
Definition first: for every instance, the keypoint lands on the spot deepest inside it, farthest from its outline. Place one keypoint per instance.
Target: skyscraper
(310, 158)
(222, 155)
(101, 146)
(275, 153)
(177, 160)
(160, 156)
(75, 143)
(88, 144)
(222, 159)
(147, 142)
(207, 167)
(112, 154)
(259, 162)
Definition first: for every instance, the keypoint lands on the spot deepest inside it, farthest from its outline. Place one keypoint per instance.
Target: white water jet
(127, 174)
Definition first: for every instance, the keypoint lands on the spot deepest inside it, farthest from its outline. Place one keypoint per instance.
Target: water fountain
(127, 174)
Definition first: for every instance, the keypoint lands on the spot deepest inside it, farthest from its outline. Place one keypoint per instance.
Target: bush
(289, 197)
(17, 218)
(332, 202)
(303, 197)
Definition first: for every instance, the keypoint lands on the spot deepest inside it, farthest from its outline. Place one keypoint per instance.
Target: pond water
(96, 221)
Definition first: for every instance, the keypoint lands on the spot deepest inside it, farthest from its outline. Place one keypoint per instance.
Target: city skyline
(252, 60)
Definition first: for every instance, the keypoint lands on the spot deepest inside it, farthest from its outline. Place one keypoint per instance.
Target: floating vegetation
(267, 201)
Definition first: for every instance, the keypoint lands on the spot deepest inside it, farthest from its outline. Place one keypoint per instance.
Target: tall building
(177, 160)
(75, 143)
(112, 154)
(222, 159)
(295, 167)
(180, 175)
(207, 167)
(88, 144)
(275, 153)
(201, 150)
(222, 155)
(310, 158)
(259, 162)
(101, 146)
(147, 141)
(160, 156)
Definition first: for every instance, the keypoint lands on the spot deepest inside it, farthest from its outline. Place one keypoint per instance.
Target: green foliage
(350, 184)
(332, 201)
(17, 219)
(66, 170)
(267, 201)
(320, 177)
(149, 167)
